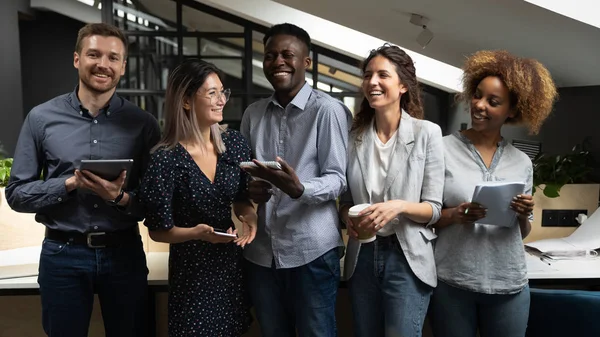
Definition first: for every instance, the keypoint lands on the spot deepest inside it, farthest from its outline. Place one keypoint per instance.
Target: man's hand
(72, 183)
(285, 179)
(107, 190)
(260, 191)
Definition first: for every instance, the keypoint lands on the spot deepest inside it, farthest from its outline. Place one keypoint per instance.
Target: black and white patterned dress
(206, 290)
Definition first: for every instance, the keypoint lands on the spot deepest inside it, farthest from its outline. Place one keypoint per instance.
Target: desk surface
(26, 261)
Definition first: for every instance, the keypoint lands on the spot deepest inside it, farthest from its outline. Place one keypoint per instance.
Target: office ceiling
(567, 47)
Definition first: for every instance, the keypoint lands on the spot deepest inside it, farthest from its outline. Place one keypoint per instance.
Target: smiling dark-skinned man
(293, 265)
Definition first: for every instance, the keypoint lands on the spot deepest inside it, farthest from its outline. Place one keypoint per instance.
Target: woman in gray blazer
(396, 164)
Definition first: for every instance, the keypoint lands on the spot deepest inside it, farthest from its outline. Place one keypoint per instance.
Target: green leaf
(552, 190)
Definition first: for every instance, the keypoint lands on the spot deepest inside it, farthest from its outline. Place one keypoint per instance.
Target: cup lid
(354, 210)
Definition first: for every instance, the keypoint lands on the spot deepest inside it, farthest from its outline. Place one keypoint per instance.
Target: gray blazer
(416, 174)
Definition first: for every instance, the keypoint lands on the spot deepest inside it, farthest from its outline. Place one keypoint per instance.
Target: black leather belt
(95, 239)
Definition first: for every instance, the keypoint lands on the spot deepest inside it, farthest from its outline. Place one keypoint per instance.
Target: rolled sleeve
(433, 178)
(333, 159)
(529, 185)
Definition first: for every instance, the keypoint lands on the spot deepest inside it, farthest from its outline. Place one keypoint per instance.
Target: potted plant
(552, 172)
(20, 229)
(5, 165)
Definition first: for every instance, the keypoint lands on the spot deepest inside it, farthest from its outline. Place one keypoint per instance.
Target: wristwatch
(117, 200)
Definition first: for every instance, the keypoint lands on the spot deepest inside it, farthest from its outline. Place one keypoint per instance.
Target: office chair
(564, 313)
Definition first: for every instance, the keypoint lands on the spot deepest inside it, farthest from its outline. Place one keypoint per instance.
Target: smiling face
(381, 84)
(285, 63)
(209, 101)
(101, 63)
(490, 105)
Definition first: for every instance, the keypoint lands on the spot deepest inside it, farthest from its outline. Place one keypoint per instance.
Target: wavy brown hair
(410, 101)
(532, 90)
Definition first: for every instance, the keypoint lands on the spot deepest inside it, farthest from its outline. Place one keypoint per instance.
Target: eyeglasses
(215, 96)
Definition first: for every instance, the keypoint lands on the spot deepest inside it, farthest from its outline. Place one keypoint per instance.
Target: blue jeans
(387, 298)
(298, 299)
(457, 312)
(69, 276)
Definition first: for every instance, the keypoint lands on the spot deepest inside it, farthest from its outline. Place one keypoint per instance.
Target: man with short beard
(92, 242)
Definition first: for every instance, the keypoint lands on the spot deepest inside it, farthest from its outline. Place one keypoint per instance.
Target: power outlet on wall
(561, 217)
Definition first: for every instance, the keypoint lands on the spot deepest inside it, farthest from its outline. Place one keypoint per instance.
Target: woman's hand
(207, 233)
(468, 213)
(522, 204)
(380, 214)
(350, 230)
(248, 229)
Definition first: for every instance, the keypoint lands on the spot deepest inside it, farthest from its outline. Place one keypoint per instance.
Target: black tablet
(108, 169)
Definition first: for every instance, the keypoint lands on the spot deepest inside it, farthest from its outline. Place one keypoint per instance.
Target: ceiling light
(418, 20)
(426, 35)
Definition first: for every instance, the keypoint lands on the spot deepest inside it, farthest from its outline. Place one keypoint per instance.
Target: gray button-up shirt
(481, 258)
(55, 137)
(310, 134)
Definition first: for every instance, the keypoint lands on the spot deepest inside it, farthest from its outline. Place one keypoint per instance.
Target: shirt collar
(502, 143)
(113, 103)
(300, 99)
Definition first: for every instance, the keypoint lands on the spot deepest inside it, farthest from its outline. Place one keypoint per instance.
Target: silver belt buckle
(89, 240)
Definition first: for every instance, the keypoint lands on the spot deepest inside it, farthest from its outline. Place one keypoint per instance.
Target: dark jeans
(300, 299)
(387, 298)
(69, 276)
(457, 312)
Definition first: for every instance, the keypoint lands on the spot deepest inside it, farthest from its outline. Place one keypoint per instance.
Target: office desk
(563, 272)
(559, 273)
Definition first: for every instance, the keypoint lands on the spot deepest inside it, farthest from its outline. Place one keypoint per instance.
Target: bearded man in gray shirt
(92, 242)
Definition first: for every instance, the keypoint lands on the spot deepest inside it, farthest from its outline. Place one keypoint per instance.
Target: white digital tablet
(108, 169)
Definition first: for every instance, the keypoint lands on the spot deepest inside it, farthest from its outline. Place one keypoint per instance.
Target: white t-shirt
(383, 155)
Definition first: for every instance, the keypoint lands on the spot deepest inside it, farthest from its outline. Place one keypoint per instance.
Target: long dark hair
(181, 124)
(405, 68)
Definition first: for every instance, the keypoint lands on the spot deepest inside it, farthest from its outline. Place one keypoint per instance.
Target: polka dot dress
(206, 290)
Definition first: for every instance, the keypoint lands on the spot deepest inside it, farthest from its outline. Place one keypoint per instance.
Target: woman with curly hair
(396, 164)
(481, 269)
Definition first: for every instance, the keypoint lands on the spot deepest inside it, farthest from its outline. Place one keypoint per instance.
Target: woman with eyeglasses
(192, 182)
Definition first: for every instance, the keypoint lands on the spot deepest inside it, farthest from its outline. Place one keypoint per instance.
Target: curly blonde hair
(532, 90)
